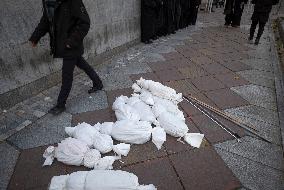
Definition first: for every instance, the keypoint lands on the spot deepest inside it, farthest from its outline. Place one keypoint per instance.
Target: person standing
(177, 14)
(234, 11)
(67, 23)
(260, 16)
(185, 12)
(194, 7)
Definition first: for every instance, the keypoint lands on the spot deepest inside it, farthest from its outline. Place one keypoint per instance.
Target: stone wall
(114, 23)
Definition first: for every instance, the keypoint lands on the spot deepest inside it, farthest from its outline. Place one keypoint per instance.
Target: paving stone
(160, 66)
(256, 150)
(113, 94)
(231, 79)
(189, 109)
(183, 62)
(169, 75)
(88, 102)
(148, 76)
(30, 174)
(203, 169)
(150, 173)
(257, 95)
(213, 133)
(202, 60)
(261, 78)
(207, 83)
(251, 174)
(192, 71)
(183, 86)
(215, 68)
(203, 98)
(236, 66)
(47, 130)
(9, 156)
(114, 82)
(225, 98)
(172, 56)
(259, 64)
(153, 57)
(141, 153)
(93, 117)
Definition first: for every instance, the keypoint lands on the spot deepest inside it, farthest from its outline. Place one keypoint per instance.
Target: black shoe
(148, 42)
(256, 42)
(56, 110)
(95, 89)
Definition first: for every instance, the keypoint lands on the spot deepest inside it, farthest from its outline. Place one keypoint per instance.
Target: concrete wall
(113, 24)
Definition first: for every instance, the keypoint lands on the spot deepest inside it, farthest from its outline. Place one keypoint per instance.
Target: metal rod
(233, 134)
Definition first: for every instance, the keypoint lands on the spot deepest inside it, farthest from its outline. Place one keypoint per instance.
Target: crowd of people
(163, 17)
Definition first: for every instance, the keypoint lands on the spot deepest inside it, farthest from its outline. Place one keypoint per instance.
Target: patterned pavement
(213, 63)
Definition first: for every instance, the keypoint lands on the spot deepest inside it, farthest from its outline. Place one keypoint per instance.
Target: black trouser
(193, 15)
(261, 26)
(67, 76)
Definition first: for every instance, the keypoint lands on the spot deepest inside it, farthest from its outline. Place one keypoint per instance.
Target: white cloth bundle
(121, 149)
(159, 136)
(124, 111)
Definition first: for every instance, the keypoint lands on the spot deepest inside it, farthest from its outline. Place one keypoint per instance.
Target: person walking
(194, 7)
(67, 23)
(260, 16)
(234, 11)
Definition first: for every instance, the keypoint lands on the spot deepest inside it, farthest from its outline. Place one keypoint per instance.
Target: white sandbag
(132, 132)
(106, 128)
(173, 125)
(71, 151)
(58, 182)
(119, 101)
(106, 163)
(158, 109)
(158, 137)
(169, 106)
(83, 132)
(121, 149)
(91, 158)
(160, 90)
(145, 112)
(103, 142)
(133, 100)
(126, 112)
(147, 97)
(98, 180)
(76, 180)
(136, 88)
(194, 139)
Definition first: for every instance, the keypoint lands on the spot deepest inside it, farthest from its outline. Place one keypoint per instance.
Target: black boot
(56, 110)
(95, 88)
(256, 41)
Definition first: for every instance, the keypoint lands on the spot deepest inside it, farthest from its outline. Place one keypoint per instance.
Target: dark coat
(69, 25)
(234, 6)
(262, 9)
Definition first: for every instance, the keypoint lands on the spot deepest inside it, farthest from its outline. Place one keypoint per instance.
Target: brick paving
(210, 62)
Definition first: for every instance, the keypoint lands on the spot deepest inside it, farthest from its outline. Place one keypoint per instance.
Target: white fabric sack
(136, 88)
(121, 100)
(91, 158)
(121, 149)
(49, 156)
(173, 125)
(132, 132)
(106, 128)
(160, 90)
(133, 100)
(158, 137)
(103, 142)
(147, 97)
(194, 139)
(169, 106)
(145, 112)
(106, 163)
(158, 109)
(126, 112)
(83, 132)
(98, 180)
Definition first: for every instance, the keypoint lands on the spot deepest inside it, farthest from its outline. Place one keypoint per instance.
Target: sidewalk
(211, 62)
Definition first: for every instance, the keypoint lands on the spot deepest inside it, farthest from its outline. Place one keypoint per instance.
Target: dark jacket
(234, 6)
(262, 9)
(68, 25)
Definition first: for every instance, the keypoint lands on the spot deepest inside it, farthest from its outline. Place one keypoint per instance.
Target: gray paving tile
(256, 150)
(9, 156)
(257, 95)
(88, 102)
(48, 130)
(252, 175)
(113, 82)
(258, 77)
(259, 64)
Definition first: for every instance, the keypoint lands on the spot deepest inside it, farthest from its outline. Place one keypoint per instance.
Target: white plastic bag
(126, 112)
(158, 137)
(98, 180)
(121, 100)
(121, 149)
(147, 97)
(106, 163)
(160, 90)
(83, 132)
(103, 142)
(145, 112)
(91, 158)
(132, 132)
(194, 139)
(49, 156)
(136, 88)
(173, 125)
(106, 128)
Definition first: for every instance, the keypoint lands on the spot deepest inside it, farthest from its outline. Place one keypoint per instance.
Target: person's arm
(82, 26)
(41, 29)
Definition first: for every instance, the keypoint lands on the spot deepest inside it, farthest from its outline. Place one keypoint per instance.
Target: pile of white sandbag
(151, 112)
(98, 180)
